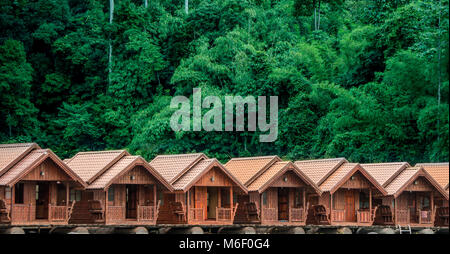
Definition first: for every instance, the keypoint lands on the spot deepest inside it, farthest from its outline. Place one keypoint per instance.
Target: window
(161, 197)
(111, 194)
(298, 198)
(235, 197)
(426, 202)
(18, 193)
(7, 193)
(264, 198)
(75, 195)
(363, 200)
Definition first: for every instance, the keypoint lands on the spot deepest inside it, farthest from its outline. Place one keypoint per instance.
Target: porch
(415, 217)
(295, 216)
(145, 214)
(29, 214)
(223, 216)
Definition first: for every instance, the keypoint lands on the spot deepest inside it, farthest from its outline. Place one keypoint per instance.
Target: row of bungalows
(117, 188)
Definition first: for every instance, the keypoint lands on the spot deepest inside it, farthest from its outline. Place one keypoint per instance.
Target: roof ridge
(180, 154)
(254, 158)
(432, 163)
(327, 159)
(18, 144)
(100, 152)
(376, 163)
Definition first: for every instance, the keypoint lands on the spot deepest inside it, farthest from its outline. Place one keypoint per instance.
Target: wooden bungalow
(440, 173)
(35, 186)
(122, 189)
(384, 173)
(347, 191)
(204, 190)
(411, 193)
(277, 191)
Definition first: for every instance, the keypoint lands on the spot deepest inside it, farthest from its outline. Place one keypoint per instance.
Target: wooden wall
(292, 180)
(358, 182)
(220, 179)
(422, 184)
(51, 171)
(141, 176)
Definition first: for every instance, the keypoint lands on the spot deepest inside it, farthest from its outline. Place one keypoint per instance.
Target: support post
(154, 202)
(304, 203)
(13, 201)
(331, 208)
(106, 206)
(370, 203)
(231, 204)
(67, 200)
(395, 211)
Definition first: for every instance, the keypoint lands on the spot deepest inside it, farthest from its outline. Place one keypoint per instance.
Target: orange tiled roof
(89, 165)
(171, 167)
(384, 173)
(193, 173)
(22, 165)
(246, 169)
(337, 176)
(319, 170)
(343, 173)
(439, 171)
(407, 176)
(27, 163)
(104, 179)
(12, 153)
(268, 174)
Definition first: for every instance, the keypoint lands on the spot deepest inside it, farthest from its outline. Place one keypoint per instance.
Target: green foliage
(355, 78)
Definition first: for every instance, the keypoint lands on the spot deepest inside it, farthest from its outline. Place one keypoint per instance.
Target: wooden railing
(364, 216)
(296, 214)
(57, 213)
(425, 217)
(115, 213)
(269, 214)
(146, 213)
(338, 215)
(403, 216)
(21, 212)
(195, 214)
(224, 214)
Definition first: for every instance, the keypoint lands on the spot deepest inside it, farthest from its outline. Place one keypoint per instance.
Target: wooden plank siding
(113, 211)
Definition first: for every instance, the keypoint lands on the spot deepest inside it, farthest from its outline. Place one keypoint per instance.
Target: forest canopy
(362, 79)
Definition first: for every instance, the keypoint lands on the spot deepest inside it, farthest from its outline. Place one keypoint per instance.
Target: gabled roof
(343, 173)
(247, 169)
(10, 154)
(408, 176)
(121, 167)
(172, 167)
(191, 176)
(384, 173)
(319, 170)
(90, 165)
(30, 161)
(276, 170)
(439, 171)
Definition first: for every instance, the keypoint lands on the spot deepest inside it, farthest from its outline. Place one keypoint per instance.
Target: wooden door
(42, 200)
(283, 204)
(212, 202)
(350, 212)
(131, 201)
